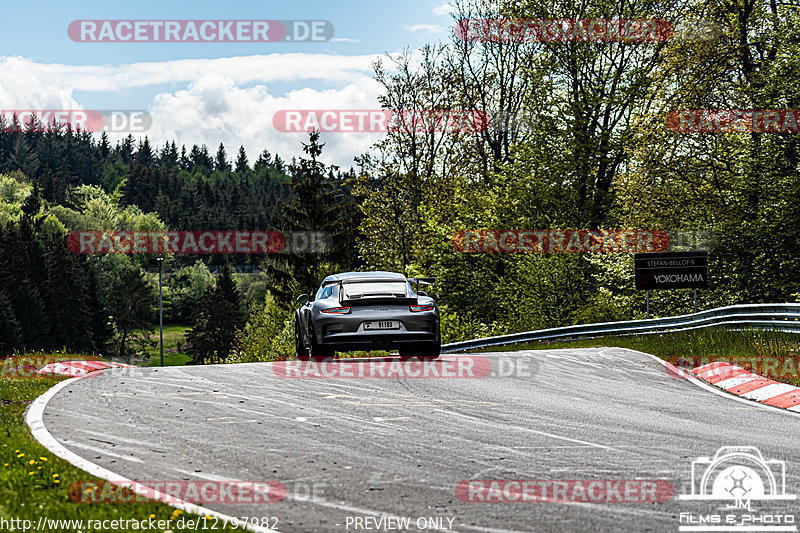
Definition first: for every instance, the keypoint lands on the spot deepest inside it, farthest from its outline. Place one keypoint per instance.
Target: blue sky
(211, 92)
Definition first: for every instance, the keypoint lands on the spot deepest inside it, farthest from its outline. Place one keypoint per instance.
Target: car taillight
(417, 308)
(337, 310)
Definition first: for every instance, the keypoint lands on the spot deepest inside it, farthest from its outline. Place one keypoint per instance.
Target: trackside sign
(671, 270)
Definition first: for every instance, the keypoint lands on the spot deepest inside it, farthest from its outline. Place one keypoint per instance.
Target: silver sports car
(368, 311)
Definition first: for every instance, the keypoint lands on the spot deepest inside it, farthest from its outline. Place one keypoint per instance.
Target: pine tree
(123, 151)
(145, 156)
(221, 160)
(30, 309)
(98, 313)
(168, 158)
(185, 162)
(264, 158)
(318, 205)
(23, 157)
(241, 161)
(200, 160)
(278, 163)
(104, 146)
(230, 291)
(10, 331)
(65, 294)
(217, 318)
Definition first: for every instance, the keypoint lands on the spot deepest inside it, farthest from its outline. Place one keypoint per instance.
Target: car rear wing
(421, 281)
(371, 300)
(406, 298)
(382, 299)
(341, 282)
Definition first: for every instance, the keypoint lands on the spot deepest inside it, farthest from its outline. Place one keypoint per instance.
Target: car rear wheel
(431, 351)
(319, 351)
(426, 350)
(300, 350)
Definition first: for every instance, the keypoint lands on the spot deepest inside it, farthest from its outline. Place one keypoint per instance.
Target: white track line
(40, 433)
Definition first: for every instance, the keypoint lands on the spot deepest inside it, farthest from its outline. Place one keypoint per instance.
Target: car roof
(377, 275)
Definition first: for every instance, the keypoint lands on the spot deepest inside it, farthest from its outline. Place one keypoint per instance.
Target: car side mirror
(302, 299)
(422, 293)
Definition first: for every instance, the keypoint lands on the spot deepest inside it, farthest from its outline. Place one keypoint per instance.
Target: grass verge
(174, 339)
(35, 483)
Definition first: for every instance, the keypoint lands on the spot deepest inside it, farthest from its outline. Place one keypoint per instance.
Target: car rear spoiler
(421, 281)
(381, 299)
(368, 300)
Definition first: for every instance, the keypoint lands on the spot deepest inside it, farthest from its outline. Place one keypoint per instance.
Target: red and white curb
(79, 368)
(742, 383)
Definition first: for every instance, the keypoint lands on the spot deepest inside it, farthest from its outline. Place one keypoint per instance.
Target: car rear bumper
(348, 331)
(373, 340)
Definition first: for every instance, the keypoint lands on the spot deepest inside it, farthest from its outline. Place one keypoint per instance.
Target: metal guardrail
(784, 317)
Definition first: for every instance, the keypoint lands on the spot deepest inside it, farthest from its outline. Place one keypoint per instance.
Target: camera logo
(738, 473)
(728, 484)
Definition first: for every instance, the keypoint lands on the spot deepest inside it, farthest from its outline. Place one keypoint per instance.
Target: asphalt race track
(355, 448)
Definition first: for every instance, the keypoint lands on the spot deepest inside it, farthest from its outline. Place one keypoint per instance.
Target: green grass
(170, 359)
(774, 354)
(362, 354)
(174, 338)
(34, 483)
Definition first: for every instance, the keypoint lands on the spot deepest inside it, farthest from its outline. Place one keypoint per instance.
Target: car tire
(300, 350)
(319, 351)
(426, 350)
(431, 351)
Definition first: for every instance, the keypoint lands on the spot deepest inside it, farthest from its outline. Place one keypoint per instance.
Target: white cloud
(344, 40)
(443, 9)
(425, 28)
(219, 100)
(19, 72)
(213, 110)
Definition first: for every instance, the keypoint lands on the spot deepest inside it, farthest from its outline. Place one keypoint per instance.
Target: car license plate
(382, 324)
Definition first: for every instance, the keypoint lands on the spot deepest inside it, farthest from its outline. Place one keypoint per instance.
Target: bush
(604, 306)
(268, 335)
(186, 287)
(455, 327)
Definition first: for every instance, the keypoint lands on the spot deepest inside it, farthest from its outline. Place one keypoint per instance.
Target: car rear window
(376, 288)
(324, 292)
